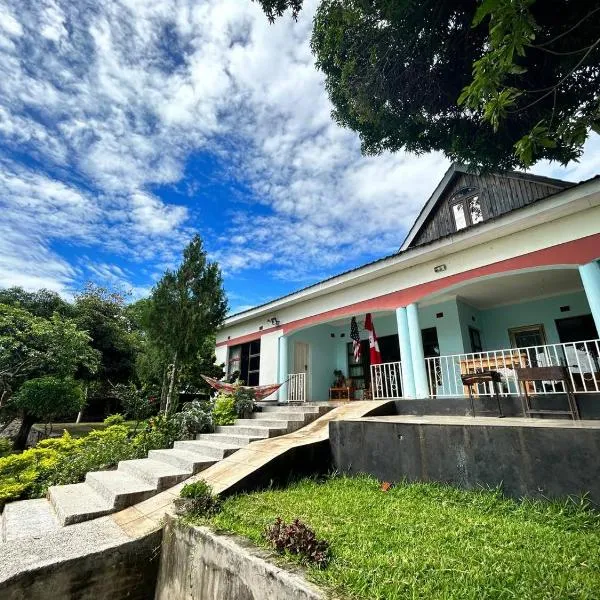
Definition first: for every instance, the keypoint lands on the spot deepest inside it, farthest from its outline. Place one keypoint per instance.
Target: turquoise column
(408, 379)
(590, 277)
(283, 368)
(416, 347)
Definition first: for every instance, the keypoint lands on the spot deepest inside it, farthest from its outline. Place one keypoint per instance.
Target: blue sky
(126, 127)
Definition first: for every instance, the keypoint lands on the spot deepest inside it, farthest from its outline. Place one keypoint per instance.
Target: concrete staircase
(104, 492)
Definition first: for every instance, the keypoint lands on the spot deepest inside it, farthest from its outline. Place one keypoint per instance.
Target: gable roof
(454, 171)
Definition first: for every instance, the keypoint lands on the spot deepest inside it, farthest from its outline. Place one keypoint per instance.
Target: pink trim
(577, 252)
(249, 337)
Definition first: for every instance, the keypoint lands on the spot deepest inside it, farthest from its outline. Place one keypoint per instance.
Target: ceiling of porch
(513, 288)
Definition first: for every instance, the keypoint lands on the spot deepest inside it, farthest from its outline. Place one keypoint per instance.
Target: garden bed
(431, 541)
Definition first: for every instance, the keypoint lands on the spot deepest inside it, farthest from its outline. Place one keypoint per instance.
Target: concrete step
(256, 430)
(77, 502)
(184, 459)
(28, 519)
(215, 448)
(120, 489)
(158, 474)
(271, 423)
(228, 439)
(280, 416)
(292, 408)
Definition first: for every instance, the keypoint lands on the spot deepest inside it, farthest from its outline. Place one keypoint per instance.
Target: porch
(517, 320)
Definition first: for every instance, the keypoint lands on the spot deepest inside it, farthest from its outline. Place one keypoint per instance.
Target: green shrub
(94, 452)
(5, 446)
(160, 432)
(244, 402)
(114, 420)
(195, 417)
(197, 499)
(224, 410)
(19, 473)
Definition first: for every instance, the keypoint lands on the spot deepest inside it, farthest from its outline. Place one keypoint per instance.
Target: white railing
(581, 359)
(386, 380)
(296, 387)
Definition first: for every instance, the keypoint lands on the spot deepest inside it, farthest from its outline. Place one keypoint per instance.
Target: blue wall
(497, 321)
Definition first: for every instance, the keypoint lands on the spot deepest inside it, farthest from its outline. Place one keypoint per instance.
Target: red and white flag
(373, 344)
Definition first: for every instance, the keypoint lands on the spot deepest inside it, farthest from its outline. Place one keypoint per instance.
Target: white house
(497, 271)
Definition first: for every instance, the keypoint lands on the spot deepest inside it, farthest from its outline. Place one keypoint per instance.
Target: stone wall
(197, 564)
(525, 459)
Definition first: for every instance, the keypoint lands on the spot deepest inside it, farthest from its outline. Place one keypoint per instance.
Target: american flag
(355, 339)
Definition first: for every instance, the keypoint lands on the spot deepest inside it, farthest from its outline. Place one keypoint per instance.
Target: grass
(429, 541)
(78, 430)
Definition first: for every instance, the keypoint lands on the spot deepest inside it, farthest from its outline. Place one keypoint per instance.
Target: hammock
(260, 391)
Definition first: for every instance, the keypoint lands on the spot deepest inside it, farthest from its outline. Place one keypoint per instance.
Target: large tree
(33, 347)
(493, 83)
(185, 309)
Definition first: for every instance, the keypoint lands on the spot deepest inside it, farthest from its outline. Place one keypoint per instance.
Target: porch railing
(296, 387)
(386, 380)
(581, 359)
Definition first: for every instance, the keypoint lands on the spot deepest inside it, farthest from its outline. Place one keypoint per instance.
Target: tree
(103, 314)
(32, 347)
(45, 398)
(186, 307)
(42, 303)
(493, 83)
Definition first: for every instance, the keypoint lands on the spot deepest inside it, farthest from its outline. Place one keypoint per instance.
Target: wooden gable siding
(498, 194)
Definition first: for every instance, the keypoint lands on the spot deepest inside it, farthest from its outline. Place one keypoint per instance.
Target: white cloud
(111, 99)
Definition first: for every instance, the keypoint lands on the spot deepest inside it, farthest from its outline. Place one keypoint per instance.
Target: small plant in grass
(114, 420)
(197, 500)
(299, 539)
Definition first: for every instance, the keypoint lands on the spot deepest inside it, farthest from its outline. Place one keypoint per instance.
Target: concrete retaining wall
(197, 564)
(589, 406)
(126, 572)
(527, 461)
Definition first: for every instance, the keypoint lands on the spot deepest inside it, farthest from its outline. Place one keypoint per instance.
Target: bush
(136, 403)
(224, 410)
(5, 446)
(244, 402)
(195, 417)
(48, 397)
(197, 499)
(114, 420)
(297, 538)
(160, 432)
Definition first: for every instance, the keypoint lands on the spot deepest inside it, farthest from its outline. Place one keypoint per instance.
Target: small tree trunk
(171, 385)
(163, 391)
(80, 413)
(26, 425)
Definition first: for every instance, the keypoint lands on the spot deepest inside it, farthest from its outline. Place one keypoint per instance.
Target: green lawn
(77, 430)
(432, 541)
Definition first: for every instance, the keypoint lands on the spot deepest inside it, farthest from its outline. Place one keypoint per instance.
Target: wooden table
(493, 363)
(338, 393)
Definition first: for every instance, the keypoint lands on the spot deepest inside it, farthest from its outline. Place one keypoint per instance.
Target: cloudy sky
(126, 126)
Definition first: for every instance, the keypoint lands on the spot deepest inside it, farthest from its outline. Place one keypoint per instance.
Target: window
(245, 360)
(475, 336)
(466, 208)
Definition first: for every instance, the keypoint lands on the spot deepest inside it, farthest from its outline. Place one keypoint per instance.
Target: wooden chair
(492, 377)
(556, 373)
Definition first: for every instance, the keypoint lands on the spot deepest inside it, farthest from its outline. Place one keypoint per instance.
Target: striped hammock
(260, 391)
